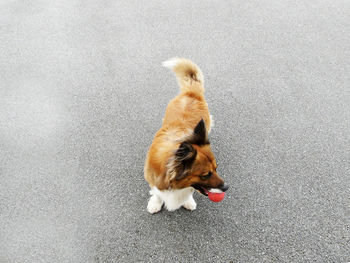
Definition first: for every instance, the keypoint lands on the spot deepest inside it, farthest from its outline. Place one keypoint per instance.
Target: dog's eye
(207, 176)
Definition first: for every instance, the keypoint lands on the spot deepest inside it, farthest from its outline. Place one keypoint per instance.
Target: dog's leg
(190, 204)
(211, 123)
(154, 204)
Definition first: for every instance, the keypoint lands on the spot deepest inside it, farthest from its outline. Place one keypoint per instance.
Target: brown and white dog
(180, 158)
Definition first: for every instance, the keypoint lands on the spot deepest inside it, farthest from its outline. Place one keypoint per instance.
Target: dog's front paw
(154, 204)
(190, 204)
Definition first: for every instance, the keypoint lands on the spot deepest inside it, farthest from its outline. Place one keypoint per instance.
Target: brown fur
(164, 166)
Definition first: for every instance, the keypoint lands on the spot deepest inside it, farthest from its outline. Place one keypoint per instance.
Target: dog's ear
(200, 135)
(200, 130)
(184, 158)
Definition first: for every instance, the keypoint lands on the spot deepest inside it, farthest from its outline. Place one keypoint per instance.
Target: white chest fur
(173, 199)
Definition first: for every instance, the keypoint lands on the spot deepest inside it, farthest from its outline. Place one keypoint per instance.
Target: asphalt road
(82, 92)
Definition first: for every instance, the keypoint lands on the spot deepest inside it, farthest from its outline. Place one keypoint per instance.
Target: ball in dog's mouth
(214, 194)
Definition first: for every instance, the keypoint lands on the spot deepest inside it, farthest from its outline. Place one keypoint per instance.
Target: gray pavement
(82, 93)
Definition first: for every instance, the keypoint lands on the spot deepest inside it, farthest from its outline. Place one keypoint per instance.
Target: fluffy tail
(188, 74)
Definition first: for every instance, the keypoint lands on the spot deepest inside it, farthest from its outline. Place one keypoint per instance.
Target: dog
(180, 159)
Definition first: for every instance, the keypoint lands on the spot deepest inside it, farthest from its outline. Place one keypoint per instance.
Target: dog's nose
(224, 188)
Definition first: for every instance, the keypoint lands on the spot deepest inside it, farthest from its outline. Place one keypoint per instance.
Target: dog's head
(194, 164)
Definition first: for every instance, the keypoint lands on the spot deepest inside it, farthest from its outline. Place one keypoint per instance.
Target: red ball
(216, 197)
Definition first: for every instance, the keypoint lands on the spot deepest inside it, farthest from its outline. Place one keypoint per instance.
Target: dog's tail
(188, 74)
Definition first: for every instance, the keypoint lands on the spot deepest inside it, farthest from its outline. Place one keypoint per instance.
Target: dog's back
(181, 116)
(186, 109)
